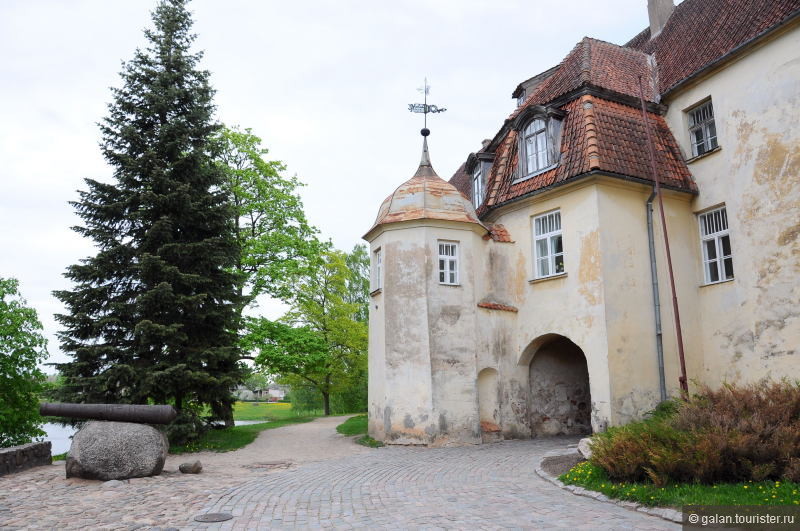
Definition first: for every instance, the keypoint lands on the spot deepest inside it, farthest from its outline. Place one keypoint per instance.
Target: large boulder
(585, 447)
(116, 450)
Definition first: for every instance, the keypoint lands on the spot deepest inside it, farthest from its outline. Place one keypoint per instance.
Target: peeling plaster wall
(572, 306)
(452, 325)
(400, 401)
(629, 315)
(751, 325)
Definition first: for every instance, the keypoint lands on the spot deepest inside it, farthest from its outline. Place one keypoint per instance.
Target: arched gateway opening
(559, 402)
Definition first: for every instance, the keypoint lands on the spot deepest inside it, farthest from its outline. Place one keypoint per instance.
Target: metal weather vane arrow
(424, 108)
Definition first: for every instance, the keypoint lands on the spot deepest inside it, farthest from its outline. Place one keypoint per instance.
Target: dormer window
(536, 149)
(478, 185)
(539, 140)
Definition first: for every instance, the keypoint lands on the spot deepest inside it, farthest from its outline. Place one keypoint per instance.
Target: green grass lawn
(268, 411)
(358, 426)
(227, 439)
(676, 495)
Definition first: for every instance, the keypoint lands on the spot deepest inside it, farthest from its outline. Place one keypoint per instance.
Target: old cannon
(114, 412)
(117, 442)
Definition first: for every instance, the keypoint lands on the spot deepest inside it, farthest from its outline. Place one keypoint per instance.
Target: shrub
(735, 433)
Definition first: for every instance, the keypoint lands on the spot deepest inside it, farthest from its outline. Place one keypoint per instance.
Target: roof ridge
(592, 151)
(586, 61)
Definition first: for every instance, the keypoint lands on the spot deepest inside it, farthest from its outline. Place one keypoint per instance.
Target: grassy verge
(227, 439)
(60, 457)
(594, 478)
(358, 426)
(353, 426)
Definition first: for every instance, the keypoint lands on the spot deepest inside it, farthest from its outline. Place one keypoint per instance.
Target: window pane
(557, 217)
(441, 265)
(441, 275)
(711, 249)
(728, 268)
(555, 244)
(538, 226)
(452, 265)
(541, 248)
(713, 272)
(544, 268)
(726, 245)
(559, 259)
(452, 279)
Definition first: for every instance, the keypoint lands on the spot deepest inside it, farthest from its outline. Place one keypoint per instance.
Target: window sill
(450, 285)
(717, 283)
(545, 279)
(532, 175)
(375, 292)
(704, 155)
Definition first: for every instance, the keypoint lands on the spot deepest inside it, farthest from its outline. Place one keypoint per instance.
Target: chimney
(659, 12)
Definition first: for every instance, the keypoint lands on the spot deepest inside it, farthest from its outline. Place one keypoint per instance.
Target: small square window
(548, 245)
(448, 263)
(702, 130)
(716, 246)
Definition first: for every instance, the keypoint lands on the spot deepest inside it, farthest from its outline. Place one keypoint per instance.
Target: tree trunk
(326, 403)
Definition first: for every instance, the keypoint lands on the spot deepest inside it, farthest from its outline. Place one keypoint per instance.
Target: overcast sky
(325, 83)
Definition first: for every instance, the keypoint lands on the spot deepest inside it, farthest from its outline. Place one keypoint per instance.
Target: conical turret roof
(426, 196)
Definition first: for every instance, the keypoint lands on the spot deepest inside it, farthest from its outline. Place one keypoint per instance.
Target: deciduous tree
(320, 341)
(22, 347)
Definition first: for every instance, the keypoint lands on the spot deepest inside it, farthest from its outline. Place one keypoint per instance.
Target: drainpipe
(662, 383)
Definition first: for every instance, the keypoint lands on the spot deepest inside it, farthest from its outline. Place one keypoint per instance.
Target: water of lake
(61, 436)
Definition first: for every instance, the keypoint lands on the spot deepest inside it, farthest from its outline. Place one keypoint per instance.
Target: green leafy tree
(153, 316)
(358, 281)
(320, 341)
(277, 244)
(256, 381)
(22, 346)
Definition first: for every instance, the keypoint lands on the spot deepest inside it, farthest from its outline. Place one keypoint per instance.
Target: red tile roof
(597, 134)
(700, 32)
(597, 86)
(595, 63)
(497, 306)
(462, 181)
(498, 233)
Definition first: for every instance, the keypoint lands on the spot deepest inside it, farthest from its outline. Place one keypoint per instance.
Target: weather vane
(424, 108)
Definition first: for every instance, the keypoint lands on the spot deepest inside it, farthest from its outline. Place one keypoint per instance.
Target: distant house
(273, 393)
(521, 298)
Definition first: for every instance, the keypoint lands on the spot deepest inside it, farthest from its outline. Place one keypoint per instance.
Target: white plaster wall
(751, 325)
(572, 305)
(629, 316)
(400, 401)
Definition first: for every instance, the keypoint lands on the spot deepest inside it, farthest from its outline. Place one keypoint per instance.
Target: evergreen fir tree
(152, 316)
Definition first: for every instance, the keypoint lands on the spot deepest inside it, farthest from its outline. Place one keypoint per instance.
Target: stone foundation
(19, 458)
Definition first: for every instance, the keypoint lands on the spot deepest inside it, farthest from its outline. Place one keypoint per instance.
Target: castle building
(530, 294)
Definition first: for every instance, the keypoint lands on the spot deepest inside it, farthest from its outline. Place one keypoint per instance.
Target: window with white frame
(539, 145)
(702, 131)
(448, 263)
(477, 185)
(716, 242)
(548, 245)
(377, 262)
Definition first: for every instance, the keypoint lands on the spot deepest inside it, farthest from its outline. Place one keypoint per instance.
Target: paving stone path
(334, 484)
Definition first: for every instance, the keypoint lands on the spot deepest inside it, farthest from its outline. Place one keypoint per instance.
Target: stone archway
(559, 402)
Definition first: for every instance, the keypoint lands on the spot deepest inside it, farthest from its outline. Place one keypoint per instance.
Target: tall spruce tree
(152, 316)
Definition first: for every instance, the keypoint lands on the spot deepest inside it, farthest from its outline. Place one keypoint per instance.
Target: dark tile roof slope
(699, 32)
(462, 181)
(597, 134)
(597, 63)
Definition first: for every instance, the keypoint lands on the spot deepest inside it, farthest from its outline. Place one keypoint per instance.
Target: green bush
(735, 433)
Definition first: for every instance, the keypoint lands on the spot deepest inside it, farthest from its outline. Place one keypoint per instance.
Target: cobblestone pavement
(483, 487)
(474, 487)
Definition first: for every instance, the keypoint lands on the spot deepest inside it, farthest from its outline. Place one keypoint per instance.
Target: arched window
(539, 139)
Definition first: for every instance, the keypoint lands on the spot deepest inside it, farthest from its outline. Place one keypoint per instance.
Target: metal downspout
(662, 382)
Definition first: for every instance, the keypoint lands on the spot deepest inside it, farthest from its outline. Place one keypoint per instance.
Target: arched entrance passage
(559, 402)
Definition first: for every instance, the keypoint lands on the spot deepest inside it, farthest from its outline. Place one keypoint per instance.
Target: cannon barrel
(114, 412)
